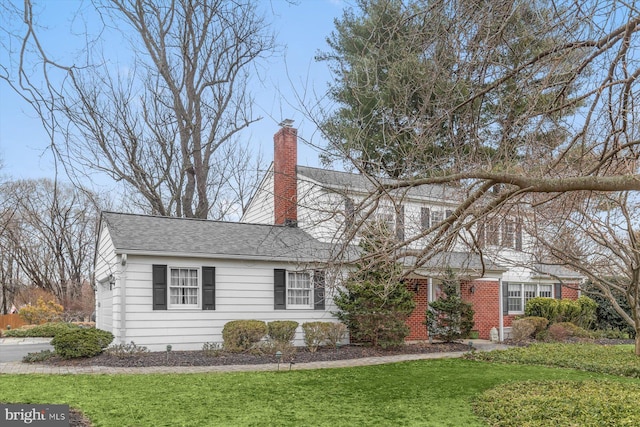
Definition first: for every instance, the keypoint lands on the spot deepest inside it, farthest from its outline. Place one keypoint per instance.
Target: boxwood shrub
(241, 335)
(81, 343)
(282, 330)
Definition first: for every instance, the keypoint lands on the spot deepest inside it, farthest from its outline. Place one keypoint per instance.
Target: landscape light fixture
(278, 357)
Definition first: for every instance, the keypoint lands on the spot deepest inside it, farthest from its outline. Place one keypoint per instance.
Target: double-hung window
(519, 293)
(299, 290)
(183, 287)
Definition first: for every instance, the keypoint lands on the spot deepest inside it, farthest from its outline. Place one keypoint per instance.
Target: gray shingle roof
(558, 271)
(356, 182)
(457, 261)
(162, 235)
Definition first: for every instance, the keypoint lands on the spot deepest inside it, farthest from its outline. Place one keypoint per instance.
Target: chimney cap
(286, 123)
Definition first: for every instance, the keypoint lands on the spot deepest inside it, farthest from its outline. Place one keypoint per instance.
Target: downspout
(429, 295)
(500, 311)
(123, 299)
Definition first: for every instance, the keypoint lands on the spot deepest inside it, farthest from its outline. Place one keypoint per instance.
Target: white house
(172, 281)
(323, 203)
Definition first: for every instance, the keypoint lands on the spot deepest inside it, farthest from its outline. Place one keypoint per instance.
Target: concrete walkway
(26, 368)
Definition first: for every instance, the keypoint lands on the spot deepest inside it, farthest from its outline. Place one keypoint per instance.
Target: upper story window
(505, 233)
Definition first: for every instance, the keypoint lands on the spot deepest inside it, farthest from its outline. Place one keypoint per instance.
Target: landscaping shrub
(42, 312)
(580, 312)
(39, 356)
(576, 331)
(449, 318)
(558, 332)
(43, 331)
(522, 329)
(241, 335)
(212, 349)
(81, 343)
(540, 323)
(315, 333)
(282, 330)
(606, 318)
(374, 303)
(336, 332)
(126, 350)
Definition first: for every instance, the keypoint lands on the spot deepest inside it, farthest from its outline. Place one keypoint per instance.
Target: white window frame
(386, 214)
(526, 292)
(171, 286)
(293, 290)
(437, 216)
(509, 234)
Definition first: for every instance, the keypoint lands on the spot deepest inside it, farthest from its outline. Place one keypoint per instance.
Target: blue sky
(301, 30)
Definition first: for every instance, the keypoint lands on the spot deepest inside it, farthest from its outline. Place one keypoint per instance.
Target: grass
(421, 393)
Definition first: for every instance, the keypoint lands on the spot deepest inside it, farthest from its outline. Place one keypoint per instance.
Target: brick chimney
(285, 183)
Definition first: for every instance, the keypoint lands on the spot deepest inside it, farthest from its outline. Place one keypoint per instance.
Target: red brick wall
(485, 297)
(285, 157)
(570, 291)
(417, 318)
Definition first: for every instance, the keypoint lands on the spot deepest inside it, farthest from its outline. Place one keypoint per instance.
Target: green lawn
(422, 393)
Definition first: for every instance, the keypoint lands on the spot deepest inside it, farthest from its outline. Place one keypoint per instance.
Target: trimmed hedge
(44, 331)
(241, 335)
(282, 330)
(81, 343)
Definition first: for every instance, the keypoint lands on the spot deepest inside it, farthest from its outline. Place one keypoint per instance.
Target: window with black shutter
(400, 223)
(425, 219)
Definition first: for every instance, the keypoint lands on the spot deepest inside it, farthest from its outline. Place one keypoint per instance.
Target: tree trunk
(637, 341)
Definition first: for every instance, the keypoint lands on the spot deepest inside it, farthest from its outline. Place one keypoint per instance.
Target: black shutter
(349, 213)
(319, 279)
(425, 218)
(279, 289)
(159, 278)
(505, 298)
(208, 288)
(557, 292)
(480, 236)
(448, 213)
(518, 235)
(400, 223)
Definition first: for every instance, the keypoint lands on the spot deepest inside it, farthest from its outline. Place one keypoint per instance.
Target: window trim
(523, 298)
(310, 289)
(174, 306)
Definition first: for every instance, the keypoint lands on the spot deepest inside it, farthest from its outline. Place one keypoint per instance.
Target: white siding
(244, 290)
(261, 209)
(105, 266)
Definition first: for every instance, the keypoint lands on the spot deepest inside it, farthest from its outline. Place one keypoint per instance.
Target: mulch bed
(301, 355)
(199, 358)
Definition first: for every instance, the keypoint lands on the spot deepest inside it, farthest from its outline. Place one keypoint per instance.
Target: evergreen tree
(449, 318)
(375, 303)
